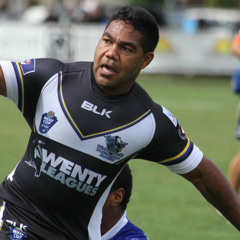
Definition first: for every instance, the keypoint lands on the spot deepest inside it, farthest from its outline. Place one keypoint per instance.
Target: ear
(117, 196)
(147, 59)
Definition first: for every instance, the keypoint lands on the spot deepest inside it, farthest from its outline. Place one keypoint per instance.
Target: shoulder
(77, 66)
(51, 66)
(143, 96)
(166, 123)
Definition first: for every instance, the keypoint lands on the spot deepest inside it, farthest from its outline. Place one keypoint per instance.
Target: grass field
(163, 204)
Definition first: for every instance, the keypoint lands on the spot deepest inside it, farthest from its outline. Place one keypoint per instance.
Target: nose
(112, 52)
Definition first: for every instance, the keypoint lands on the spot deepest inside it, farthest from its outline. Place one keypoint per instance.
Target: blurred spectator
(3, 5)
(35, 14)
(87, 11)
(234, 169)
(4, 9)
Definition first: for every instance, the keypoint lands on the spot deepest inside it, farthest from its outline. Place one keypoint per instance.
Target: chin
(104, 82)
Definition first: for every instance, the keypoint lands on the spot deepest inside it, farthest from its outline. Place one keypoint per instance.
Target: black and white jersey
(80, 141)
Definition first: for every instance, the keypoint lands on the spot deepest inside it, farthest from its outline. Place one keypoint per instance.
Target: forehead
(123, 31)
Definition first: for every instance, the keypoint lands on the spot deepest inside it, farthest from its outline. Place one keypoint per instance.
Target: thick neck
(110, 219)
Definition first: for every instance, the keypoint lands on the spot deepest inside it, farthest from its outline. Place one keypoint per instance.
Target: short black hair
(124, 180)
(142, 21)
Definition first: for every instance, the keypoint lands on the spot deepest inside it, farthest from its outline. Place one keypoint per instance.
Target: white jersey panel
(96, 218)
(11, 81)
(94, 231)
(135, 137)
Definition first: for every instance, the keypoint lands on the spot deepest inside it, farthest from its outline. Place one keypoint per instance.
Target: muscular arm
(2, 84)
(213, 185)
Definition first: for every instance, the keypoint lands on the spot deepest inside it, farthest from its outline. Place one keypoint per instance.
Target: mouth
(108, 69)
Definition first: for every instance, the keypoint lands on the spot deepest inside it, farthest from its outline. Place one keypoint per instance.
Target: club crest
(113, 150)
(114, 143)
(17, 234)
(28, 66)
(47, 121)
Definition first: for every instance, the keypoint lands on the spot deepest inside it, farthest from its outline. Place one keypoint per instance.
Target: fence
(178, 52)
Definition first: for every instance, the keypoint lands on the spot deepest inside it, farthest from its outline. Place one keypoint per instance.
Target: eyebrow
(123, 43)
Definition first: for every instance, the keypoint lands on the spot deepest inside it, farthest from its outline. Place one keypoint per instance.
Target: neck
(109, 220)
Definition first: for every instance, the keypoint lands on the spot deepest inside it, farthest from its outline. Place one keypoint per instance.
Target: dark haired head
(143, 22)
(124, 180)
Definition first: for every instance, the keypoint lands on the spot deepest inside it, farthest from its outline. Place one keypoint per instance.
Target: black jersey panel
(95, 116)
(57, 181)
(169, 140)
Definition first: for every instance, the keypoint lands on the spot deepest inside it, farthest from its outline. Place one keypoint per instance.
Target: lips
(108, 69)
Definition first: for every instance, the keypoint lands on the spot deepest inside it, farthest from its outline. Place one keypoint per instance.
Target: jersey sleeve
(170, 145)
(24, 82)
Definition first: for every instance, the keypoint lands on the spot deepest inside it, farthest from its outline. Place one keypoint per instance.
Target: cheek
(131, 66)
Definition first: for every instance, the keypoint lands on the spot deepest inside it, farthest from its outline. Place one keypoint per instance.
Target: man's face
(119, 58)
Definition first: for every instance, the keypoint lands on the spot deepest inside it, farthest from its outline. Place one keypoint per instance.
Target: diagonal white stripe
(2, 208)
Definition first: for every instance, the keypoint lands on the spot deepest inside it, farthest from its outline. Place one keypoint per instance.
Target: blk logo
(95, 109)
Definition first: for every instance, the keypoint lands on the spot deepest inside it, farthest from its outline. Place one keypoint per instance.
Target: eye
(126, 49)
(106, 40)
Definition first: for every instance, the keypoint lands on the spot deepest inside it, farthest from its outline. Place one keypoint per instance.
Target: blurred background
(195, 35)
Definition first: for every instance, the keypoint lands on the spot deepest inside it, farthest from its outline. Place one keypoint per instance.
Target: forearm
(213, 185)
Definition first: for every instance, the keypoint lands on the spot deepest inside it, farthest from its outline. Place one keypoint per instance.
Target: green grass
(14, 135)
(163, 204)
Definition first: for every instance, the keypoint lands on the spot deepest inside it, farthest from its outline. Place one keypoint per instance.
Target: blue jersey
(125, 230)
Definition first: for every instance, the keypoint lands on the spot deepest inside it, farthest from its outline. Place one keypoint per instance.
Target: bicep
(2, 83)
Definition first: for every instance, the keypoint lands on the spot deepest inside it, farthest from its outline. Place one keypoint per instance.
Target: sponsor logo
(61, 169)
(95, 109)
(112, 151)
(181, 133)
(170, 116)
(47, 121)
(16, 234)
(21, 227)
(28, 66)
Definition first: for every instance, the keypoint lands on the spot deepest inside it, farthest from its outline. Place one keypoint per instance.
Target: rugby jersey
(80, 140)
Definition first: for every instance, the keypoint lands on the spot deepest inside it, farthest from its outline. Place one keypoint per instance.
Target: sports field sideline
(165, 205)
